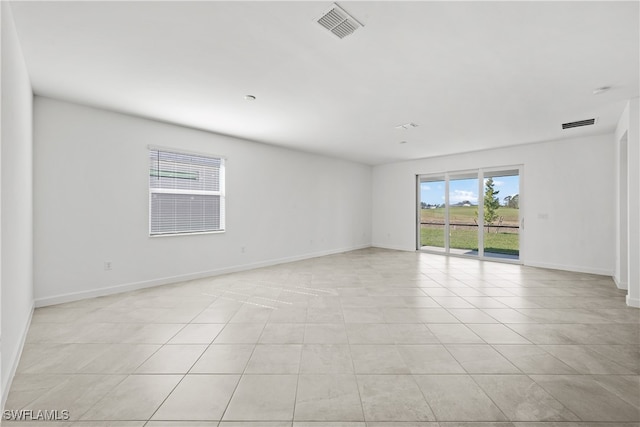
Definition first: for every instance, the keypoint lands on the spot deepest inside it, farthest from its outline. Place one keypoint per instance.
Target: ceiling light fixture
(407, 126)
(250, 97)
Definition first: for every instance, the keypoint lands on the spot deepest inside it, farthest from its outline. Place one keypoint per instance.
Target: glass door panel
(431, 213)
(501, 231)
(463, 214)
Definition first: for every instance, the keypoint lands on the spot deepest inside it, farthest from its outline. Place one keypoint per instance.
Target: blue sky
(466, 189)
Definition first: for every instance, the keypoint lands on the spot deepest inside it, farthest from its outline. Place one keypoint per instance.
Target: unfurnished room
(320, 214)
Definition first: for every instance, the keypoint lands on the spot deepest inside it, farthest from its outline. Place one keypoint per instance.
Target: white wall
(16, 279)
(569, 181)
(628, 203)
(2, 25)
(91, 204)
(621, 271)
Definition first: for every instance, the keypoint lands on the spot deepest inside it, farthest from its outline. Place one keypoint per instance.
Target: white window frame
(480, 173)
(221, 193)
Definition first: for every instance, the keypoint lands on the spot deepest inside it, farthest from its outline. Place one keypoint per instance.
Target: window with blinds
(186, 193)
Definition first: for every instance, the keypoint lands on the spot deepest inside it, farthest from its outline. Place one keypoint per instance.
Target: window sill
(153, 236)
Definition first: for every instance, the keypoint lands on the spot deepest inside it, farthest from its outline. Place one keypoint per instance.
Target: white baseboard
(577, 269)
(15, 360)
(75, 296)
(574, 268)
(619, 284)
(391, 247)
(633, 302)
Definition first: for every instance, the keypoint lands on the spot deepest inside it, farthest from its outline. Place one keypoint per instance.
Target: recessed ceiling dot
(599, 90)
(402, 142)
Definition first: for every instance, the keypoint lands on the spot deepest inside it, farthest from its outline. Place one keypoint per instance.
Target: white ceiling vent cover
(339, 22)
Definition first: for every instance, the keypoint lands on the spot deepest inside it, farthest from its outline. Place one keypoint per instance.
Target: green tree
(491, 202)
(515, 202)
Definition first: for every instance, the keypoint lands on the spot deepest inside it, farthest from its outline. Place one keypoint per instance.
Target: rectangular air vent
(339, 22)
(579, 123)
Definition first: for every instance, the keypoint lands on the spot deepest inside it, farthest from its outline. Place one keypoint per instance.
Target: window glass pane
(185, 172)
(186, 193)
(432, 225)
(463, 214)
(502, 214)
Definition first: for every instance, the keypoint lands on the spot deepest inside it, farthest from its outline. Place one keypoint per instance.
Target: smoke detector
(339, 22)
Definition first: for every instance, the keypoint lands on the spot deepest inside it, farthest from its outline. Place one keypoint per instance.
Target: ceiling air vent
(339, 22)
(579, 123)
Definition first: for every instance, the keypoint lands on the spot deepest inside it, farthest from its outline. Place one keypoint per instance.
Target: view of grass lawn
(499, 219)
(498, 243)
(466, 214)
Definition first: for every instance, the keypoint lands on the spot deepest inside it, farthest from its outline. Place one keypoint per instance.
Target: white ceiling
(473, 75)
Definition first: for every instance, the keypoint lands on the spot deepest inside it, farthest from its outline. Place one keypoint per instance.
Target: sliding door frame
(481, 173)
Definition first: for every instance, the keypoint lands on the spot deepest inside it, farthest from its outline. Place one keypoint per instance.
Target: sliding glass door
(473, 213)
(501, 233)
(463, 213)
(431, 213)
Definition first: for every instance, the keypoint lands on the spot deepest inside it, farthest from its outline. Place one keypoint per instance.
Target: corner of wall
(619, 283)
(16, 201)
(633, 147)
(15, 360)
(627, 274)
(2, 388)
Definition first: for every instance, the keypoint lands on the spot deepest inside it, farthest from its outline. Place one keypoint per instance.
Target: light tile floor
(371, 338)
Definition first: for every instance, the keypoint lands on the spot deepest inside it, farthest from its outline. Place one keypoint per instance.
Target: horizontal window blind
(186, 193)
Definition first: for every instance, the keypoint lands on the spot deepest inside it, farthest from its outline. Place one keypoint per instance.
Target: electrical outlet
(108, 265)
